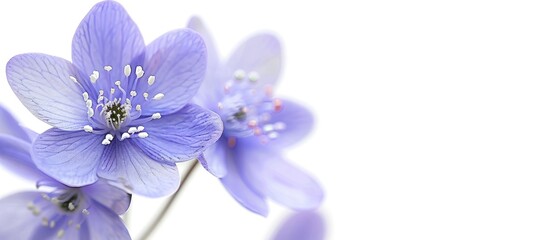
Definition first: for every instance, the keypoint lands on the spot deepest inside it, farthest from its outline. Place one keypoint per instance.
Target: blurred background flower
(257, 126)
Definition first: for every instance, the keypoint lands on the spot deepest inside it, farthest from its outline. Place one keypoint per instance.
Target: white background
(432, 115)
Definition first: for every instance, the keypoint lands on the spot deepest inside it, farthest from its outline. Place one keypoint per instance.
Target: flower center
(70, 204)
(59, 208)
(115, 113)
(118, 112)
(247, 110)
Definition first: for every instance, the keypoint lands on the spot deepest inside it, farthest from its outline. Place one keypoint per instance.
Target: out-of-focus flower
(120, 110)
(257, 126)
(56, 211)
(306, 225)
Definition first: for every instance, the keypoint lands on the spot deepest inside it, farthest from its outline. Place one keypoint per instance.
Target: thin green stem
(170, 202)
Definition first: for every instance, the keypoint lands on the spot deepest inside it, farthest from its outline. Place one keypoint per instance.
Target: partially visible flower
(120, 110)
(257, 127)
(56, 211)
(307, 225)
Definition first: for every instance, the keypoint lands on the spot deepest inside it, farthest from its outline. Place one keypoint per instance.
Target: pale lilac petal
(16, 220)
(107, 36)
(43, 84)
(43, 233)
(215, 158)
(296, 121)
(241, 191)
(212, 87)
(302, 226)
(70, 157)
(10, 126)
(271, 175)
(129, 165)
(32, 135)
(177, 59)
(109, 196)
(105, 224)
(181, 136)
(261, 54)
(15, 155)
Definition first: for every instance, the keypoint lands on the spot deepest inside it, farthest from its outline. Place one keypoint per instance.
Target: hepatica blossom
(120, 109)
(257, 127)
(56, 211)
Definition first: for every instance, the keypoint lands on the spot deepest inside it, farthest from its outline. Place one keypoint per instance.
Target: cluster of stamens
(114, 113)
(71, 205)
(247, 110)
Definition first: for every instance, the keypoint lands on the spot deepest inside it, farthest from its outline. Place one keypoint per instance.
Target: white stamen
(109, 137)
(106, 142)
(71, 206)
(133, 93)
(35, 212)
(101, 92)
(86, 96)
(112, 90)
(45, 221)
(220, 105)
(127, 70)
(52, 224)
(143, 135)
(140, 128)
(60, 233)
(268, 127)
(107, 68)
(139, 71)
(279, 126)
(88, 128)
(117, 83)
(94, 76)
(158, 96)
(89, 103)
(146, 96)
(151, 80)
(239, 74)
(90, 112)
(85, 211)
(156, 116)
(138, 107)
(253, 76)
(125, 136)
(45, 197)
(73, 79)
(273, 135)
(132, 130)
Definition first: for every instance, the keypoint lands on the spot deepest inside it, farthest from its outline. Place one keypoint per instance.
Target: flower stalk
(170, 202)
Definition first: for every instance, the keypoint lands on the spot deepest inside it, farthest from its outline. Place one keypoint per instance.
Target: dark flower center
(71, 204)
(115, 114)
(241, 114)
(247, 108)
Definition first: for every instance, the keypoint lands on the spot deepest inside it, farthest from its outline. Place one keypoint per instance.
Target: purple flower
(257, 127)
(57, 211)
(120, 110)
(305, 225)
